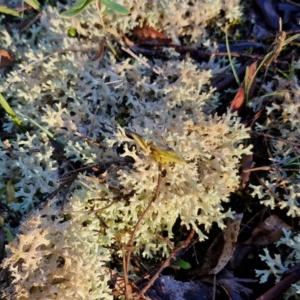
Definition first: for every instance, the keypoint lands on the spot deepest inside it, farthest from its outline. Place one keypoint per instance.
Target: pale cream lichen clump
(61, 254)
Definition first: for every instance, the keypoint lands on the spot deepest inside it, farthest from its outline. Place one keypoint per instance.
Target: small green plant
(9, 11)
(81, 5)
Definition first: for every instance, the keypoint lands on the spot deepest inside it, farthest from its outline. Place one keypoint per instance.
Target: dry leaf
(247, 163)
(127, 41)
(221, 250)
(239, 101)
(100, 51)
(6, 58)
(268, 232)
(147, 32)
(230, 234)
(147, 35)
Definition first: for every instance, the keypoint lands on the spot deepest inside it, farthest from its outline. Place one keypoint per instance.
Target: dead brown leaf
(147, 35)
(221, 250)
(239, 101)
(247, 163)
(268, 232)
(6, 58)
(230, 234)
(100, 50)
(147, 32)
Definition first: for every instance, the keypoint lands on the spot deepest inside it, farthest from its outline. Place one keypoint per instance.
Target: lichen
(60, 254)
(281, 263)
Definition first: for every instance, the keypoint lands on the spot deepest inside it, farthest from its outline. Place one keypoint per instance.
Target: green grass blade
(120, 9)
(230, 60)
(8, 11)
(9, 235)
(78, 4)
(290, 39)
(72, 12)
(10, 112)
(34, 3)
(39, 126)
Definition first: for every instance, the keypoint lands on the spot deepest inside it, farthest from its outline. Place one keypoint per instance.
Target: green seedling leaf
(8, 11)
(72, 12)
(182, 264)
(120, 9)
(10, 112)
(78, 4)
(34, 3)
(108, 12)
(9, 236)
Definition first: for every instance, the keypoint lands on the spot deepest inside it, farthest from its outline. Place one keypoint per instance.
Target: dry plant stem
(91, 167)
(127, 253)
(275, 138)
(92, 210)
(31, 22)
(294, 3)
(274, 54)
(166, 241)
(112, 49)
(267, 189)
(64, 197)
(279, 43)
(269, 58)
(124, 256)
(167, 262)
(87, 139)
(214, 287)
(233, 54)
(268, 168)
(142, 61)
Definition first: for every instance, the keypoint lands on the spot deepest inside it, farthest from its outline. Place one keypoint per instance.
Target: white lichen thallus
(161, 154)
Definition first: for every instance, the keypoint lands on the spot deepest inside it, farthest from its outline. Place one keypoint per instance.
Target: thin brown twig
(127, 254)
(267, 188)
(31, 22)
(276, 138)
(270, 168)
(196, 52)
(167, 242)
(91, 167)
(167, 262)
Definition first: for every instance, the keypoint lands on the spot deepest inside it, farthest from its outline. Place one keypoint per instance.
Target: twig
(31, 22)
(127, 253)
(270, 168)
(165, 241)
(167, 262)
(275, 138)
(142, 61)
